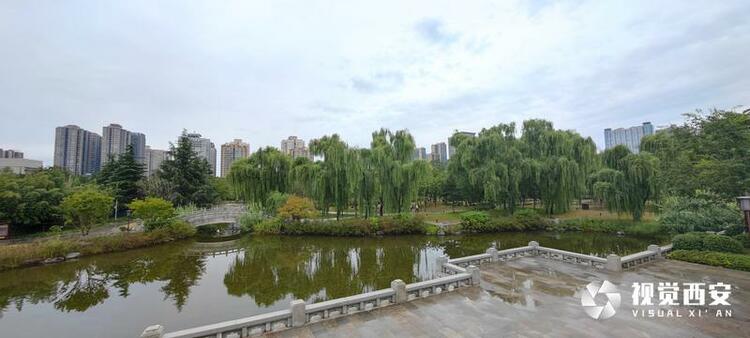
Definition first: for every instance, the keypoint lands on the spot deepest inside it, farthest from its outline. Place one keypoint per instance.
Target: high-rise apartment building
(154, 159)
(138, 141)
(232, 151)
(115, 141)
(439, 152)
(295, 147)
(629, 137)
(10, 153)
(420, 154)
(204, 148)
(77, 150)
(452, 149)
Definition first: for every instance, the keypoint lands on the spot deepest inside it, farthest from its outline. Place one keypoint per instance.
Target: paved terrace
(533, 296)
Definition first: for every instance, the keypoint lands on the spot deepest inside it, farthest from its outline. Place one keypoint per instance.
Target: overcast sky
(264, 70)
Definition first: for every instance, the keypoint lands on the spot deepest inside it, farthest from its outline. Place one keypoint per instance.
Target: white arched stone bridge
(225, 213)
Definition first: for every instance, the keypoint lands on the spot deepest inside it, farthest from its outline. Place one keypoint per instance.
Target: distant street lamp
(744, 202)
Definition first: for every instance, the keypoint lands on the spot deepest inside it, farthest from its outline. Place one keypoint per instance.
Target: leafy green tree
(155, 212)
(31, 202)
(256, 177)
(628, 182)
(398, 176)
(187, 176)
(708, 152)
(500, 169)
(122, 175)
(333, 176)
(705, 211)
(87, 207)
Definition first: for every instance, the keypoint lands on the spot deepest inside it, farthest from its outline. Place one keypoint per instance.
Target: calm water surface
(187, 284)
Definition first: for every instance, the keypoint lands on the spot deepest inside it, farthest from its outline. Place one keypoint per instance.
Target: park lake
(186, 284)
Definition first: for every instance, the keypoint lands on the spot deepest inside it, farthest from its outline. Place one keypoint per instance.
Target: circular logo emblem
(600, 311)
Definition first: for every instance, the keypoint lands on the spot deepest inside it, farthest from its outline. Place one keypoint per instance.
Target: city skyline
(432, 69)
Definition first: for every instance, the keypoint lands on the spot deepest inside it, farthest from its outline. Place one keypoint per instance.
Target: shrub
(180, 229)
(155, 212)
(268, 226)
(688, 241)
(744, 239)
(397, 225)
(727, 260)
(474, 221)
(274, 201)
(610, 226)
(529, 219)
(249, 219)
(735, 229)
(721, 243)
(296, 208)
(703, 212)
(56, 248)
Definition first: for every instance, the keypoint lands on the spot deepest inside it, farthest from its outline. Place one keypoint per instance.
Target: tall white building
(232, 151)
(420, 154)
(295, 147)
(154, 159)
(115, 141)
(439, 152)
(629, 137)
(77, 150)
(204, 148)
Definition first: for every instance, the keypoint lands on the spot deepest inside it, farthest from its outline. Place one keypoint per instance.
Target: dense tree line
(497, 169)
(381, 179)
(708, 152)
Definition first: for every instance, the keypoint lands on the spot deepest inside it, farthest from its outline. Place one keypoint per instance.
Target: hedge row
(706, 242)
(396, 225)
(522, 220)
(723, 259)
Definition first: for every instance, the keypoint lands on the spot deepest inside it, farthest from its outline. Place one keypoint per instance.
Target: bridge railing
(459, 272)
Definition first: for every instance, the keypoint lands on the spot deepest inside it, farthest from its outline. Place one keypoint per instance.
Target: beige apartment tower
(232, 151)
(295, 147)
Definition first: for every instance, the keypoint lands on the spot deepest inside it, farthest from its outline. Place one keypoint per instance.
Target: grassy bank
(27, 254)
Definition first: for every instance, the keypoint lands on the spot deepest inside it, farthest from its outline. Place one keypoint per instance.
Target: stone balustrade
(459, 272)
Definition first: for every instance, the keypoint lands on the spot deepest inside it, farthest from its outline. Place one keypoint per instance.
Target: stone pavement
(537, 297)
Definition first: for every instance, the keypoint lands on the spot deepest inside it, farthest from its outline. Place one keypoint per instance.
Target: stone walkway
(536, 297)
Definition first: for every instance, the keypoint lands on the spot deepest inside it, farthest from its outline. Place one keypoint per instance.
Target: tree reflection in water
(269, 269)
(80, 285)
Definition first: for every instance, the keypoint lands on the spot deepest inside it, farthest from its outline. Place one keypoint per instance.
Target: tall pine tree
(188, 174)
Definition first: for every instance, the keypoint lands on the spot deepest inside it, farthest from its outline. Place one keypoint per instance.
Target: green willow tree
(627, 182)
(398, 176)
(256, 177)
(332, 181)
(544, 165)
